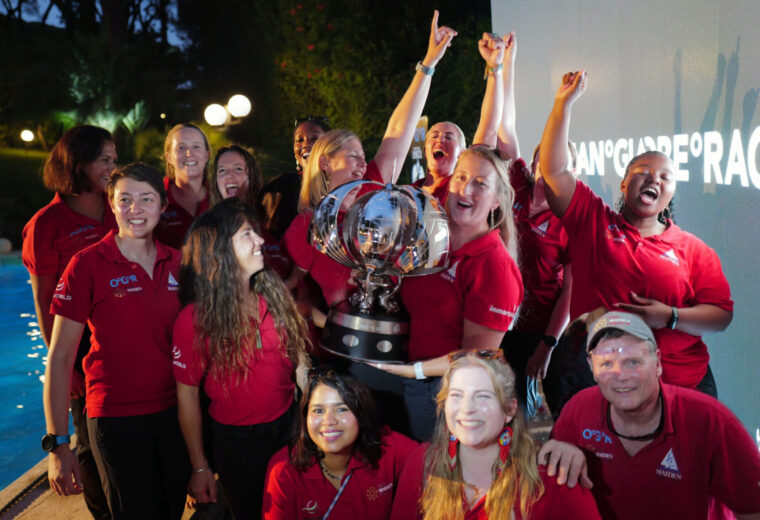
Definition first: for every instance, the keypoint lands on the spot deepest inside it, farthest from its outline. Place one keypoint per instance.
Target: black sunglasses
(322, 121)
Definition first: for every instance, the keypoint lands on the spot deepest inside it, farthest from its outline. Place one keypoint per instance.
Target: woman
(341, 463)
(279, 197)
(186, 152)
(236, 174)
(481, 463)
(125, 288)
(241, 337)
(637, 259)
(338, 157)
(77, 170)
(476, 298)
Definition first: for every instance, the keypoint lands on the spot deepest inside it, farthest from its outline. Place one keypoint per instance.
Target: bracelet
(201, 470)
(492, 70)
(418, 373)
(550, 341)
(673, 319)
(428, 71)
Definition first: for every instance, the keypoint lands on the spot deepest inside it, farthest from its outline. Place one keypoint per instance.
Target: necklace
(327, 472)
(648, 436)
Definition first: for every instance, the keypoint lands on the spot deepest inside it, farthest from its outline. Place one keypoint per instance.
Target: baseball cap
(625, 321)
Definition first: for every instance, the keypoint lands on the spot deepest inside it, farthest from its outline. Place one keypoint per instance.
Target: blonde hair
(519, 482)
(168, 145)
(461, 141)
(315, 183)
(502, 217)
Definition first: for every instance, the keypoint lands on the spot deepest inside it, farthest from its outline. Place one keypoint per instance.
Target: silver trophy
(386, 234)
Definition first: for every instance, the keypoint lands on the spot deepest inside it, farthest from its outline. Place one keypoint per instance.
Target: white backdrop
(682, 75)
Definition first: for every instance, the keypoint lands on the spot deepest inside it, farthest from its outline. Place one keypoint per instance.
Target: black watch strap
(673, 319)
(550, 341)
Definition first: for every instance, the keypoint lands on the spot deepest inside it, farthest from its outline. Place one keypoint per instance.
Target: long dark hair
(209, 277)
(358, 398)
(64, 167)
(255, 177)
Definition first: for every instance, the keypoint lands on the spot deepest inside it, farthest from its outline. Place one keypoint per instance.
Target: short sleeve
(583, 212)
(187, 365)
(707, 278)
(493, 291)
(403, 447)
(73, 297)
(280, 489)
(297, 242)
(407, 498)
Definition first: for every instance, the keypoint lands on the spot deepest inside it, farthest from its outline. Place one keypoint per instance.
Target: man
(655, 450)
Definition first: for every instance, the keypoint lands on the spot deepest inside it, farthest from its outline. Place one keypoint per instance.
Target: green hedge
(23, 192)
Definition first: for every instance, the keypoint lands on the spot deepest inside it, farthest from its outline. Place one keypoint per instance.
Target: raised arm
(560, 183)
(507, 142)
(398, 136)
(63, 468)
(491, 48)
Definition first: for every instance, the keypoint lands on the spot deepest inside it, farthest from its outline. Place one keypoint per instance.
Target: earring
(505, 444)
(491, 222)
(453, 444)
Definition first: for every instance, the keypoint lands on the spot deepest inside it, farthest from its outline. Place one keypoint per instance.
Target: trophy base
(379, 337)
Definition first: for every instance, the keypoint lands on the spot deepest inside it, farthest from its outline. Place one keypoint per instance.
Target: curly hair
(518, 483)
(253, 171)
(64, 167)
(209, 277)
(358, 398)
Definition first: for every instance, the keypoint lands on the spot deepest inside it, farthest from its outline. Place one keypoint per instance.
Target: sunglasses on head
(321, 120)
(485, 353)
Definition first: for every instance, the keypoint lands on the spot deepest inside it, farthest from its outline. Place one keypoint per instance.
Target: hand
(440, 40)
(654, 313)
(403, 370)
(491, 49)
(77, 384)
(202, 486)
(510, 48)
(63, 472)
(539, 361)
(572, 87)
(571, 462)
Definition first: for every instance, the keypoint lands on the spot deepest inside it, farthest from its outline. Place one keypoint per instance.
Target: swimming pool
(22, 365)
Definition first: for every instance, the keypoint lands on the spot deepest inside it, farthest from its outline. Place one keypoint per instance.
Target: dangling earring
(505, 444)
(453, 444)
(491, 223)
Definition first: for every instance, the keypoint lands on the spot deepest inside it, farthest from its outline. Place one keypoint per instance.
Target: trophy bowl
(386, 234)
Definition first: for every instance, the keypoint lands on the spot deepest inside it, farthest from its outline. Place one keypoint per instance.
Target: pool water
(22, 367)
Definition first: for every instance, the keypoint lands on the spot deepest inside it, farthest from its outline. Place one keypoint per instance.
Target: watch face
(48, 443)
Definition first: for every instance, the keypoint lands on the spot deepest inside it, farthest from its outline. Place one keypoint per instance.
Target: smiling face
(473, 193)
(473, 412)
(246, 245)
(187, 154)
(137, 208)
(99, 170)
(442, 148)
(305, 136)
(626, 372)
(347, 164)
(232, 175)
(649, 185)
(331, 424)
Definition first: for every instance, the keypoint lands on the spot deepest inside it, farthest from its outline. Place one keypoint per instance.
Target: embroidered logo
(597, 436)
(503, 312)
(311, 506)
(540, 230)
(451, 273)
(176, 354)
(614, 233)
(670, 256)
(60, 286)
(173, 284)
(669, 466)
(372, 494)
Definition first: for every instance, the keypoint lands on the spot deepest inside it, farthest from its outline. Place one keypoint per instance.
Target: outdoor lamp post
(27, 136)
(237, 108)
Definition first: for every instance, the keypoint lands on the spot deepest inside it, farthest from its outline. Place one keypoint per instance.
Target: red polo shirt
(128, 368)
(264, 396)
(175, 220)
(481, 284)
(702, 452)
(543, 254)
(331, 276)
(611, 259)
(556, 502)
(290, 494)
(56, 232)
(441, 192)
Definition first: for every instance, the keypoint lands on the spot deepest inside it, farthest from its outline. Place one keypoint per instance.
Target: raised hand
(572, 87)
(510, 47)
(491, 48)
(440, 40)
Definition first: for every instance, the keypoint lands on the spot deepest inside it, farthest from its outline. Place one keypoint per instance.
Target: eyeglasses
(322, 121)
(486, 353)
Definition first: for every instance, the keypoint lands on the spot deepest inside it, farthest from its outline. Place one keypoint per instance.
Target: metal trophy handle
(386, 234)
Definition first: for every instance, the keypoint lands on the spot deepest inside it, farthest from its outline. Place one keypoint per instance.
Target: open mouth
(439, 154)
(464, 204)
(470, 423)
(231, 189)
(331, 435)
(137, 221)
(648, 195)
(191, 163)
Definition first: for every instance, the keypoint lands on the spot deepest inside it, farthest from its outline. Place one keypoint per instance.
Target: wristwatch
(550, 341)
(50, 442)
